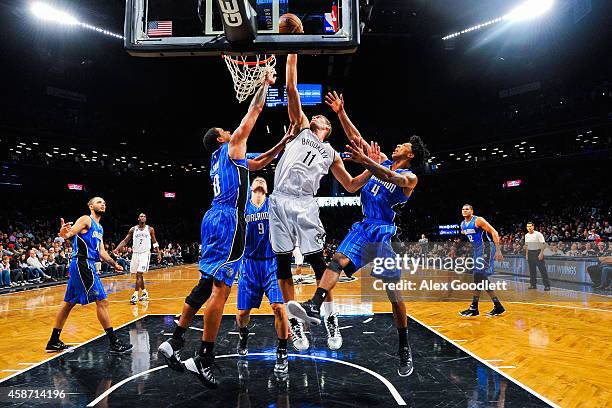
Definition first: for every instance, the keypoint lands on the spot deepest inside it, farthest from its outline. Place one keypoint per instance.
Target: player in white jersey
(294, 213)
(142, 236)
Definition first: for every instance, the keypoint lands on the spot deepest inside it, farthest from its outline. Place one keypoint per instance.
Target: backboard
(158, 28)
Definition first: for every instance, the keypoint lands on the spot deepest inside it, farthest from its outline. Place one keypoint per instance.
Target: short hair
(531, 223)
(210, 141)
(141, 213)
(91, 200)
(328, 124)
(468, 205)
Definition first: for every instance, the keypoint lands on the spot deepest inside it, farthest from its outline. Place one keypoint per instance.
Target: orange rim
(248, 63)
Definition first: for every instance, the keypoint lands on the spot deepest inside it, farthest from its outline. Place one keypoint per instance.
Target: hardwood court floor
(559, 344)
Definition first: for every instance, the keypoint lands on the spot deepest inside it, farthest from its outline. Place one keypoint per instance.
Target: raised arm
(350, 183)
(237, 143)
(407, 181)
(127, 239)
(264, 159)
(482, 223)
(69, 229)
(296, 115)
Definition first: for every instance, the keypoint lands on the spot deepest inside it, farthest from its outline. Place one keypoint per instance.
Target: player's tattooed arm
(69, 229)
(359, 154)
(266, 158)
(127, 239)
(482, 223)
(294, 105)
(237, 144)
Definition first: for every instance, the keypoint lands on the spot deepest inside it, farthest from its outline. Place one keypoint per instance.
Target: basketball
(290, 24)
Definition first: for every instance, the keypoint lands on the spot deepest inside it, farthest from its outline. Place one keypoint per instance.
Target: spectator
(36, 266)
(62, 262)
(5, 273)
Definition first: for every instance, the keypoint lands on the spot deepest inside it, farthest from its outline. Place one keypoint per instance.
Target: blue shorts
(84, 284)
(258, 276)
(484, 259)
(369, 239)
(223, 235)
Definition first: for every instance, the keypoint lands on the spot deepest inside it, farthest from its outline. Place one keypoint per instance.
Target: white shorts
(140, 262)
(295, 220)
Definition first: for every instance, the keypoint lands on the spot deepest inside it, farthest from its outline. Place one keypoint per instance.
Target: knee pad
(334, 266)
(317, 263)
(200, 293)
(283, 268)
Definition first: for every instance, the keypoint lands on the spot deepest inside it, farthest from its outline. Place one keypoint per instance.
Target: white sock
(327, 308)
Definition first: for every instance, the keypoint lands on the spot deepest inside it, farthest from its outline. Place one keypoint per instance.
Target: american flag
(159, 28)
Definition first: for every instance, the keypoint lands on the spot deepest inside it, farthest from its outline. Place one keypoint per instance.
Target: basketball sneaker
(306, 311)
(497, 311)
(171, 350)
(118, 347)
(201, 367)
(334, 337)
(145, 296)
(282, 362)
(469, 312)
(134, 298)
(56, 346)
(405, 366)
(298, 337)
(242, 347)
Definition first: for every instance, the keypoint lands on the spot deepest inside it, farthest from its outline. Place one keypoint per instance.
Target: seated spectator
(36, 266)
(553, 250)
(17, 274)
(573, 250)
(5, 273)
(62, 262)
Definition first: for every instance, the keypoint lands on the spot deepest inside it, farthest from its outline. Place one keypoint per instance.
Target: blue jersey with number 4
(378, 197)
(258, 230)
(230, 179)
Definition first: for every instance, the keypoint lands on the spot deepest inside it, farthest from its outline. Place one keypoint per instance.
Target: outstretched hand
(335, 102)
(270, 76)
(65, 228)
(358, 154)
(290, 134)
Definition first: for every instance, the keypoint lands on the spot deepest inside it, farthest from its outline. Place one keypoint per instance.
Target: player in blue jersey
(391, 185)
(485, 247)
(258, 276)
(84, 284)
(223, 233)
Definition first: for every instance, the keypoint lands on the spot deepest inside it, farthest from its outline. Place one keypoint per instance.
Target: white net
(248, 74)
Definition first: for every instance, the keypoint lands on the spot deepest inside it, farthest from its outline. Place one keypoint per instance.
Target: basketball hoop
(248, 74)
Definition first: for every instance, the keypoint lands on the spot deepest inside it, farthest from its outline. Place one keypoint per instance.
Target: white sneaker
(144, 297)
(334, 337)
(298, 337)
(134, 298)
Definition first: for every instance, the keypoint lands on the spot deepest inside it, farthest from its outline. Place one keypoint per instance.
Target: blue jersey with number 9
(258, 230)
(378, 198)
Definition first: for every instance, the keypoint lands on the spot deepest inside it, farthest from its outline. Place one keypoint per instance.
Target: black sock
(474, 304)
(111, 335)
(55, 335)
(496, 301)
(244, 331)
(319, 296)
(179, 332)
(282, 344)
(206, 348)
(403, 336)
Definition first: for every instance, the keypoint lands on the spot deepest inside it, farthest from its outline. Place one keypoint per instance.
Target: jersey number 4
(375, 189)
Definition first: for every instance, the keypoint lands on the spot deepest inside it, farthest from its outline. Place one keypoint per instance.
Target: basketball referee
(534, 253)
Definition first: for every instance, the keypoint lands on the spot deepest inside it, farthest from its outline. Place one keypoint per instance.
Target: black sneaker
(405, 366)
(55, 346)
(117, 347)
(471, 311)
(242, 347)
(497, 311)
(171, 350)
(201, 367)
(307, 311)
(282, 362)
(546, 288)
